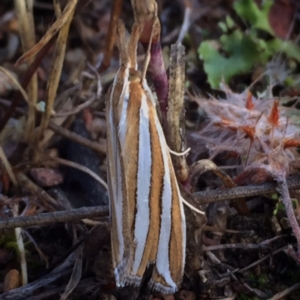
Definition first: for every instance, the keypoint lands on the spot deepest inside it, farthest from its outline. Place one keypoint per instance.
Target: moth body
(147, 217)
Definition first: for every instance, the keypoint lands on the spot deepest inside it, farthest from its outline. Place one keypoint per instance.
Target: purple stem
(159, 76)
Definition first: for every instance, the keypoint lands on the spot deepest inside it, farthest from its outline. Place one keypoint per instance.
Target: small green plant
(237, 52)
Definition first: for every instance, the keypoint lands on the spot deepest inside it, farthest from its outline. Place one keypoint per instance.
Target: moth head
(134, 75)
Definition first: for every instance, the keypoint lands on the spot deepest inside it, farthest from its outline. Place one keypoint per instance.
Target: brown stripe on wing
(130, 163)
(157, 173)
(112, 181)
(158, 282)
(176, 251)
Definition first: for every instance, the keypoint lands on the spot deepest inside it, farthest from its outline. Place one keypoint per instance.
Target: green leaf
(238, 52)
(222, 26)
(229, 22)
(242, 52)
(287, 47)
(258, 17)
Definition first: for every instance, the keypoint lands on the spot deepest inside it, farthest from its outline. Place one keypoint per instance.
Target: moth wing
(115, 185)
(170, 256)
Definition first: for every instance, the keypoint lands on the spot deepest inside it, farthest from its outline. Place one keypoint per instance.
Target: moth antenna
(148, 55)
(186, 151)
(122, 42)
(133, 44)
(192, 207)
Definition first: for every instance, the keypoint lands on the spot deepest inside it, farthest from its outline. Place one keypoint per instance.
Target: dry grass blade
(24, 11)
(76, 273)
(57, 25)
(77, 109)
(192, 207)
(38, 250)
(59, 55)
(16, 83)
(286, 292)
(81, 168)
(186, 22)
(25, 81)
(8, 167)
(27, 291)
(21, 248)
(111, 34)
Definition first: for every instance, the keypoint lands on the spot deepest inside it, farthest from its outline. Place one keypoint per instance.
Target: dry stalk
(52, 31)
(54, 77)
(16, 83)
(111, 34)
(24, 11)
(175, 115)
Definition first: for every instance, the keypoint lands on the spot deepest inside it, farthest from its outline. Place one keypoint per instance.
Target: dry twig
(55, 217)
(77, 138)
(259, 261)
(293, 182)
(81, 168)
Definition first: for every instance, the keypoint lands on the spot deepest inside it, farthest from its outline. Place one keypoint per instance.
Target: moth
(147, 217)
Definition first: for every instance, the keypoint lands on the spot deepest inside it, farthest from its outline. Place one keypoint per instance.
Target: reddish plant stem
(159, 76)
